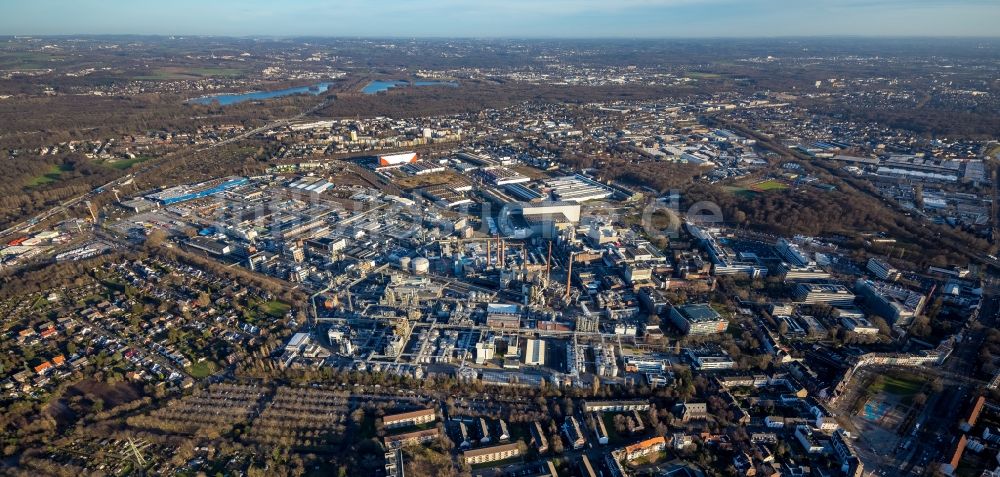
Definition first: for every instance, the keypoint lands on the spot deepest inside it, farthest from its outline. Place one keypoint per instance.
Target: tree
(203, 300)
(155, 238)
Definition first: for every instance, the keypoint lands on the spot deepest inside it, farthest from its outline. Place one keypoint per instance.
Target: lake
(379, 86)
(227, 99)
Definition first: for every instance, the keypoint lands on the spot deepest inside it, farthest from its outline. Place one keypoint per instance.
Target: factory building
(184, 193)
(577, 188)
(397, 160)
(534, 354)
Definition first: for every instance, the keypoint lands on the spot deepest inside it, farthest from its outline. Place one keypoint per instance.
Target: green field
(53, 175)
(268, 309)
(770, 185)
(202, 369)
(614, 438)
(902, 386)
(181, 73)
(275, 308)
(702, 75)
(740, 191)
(123, 164)
(28, 60)
(750, 190)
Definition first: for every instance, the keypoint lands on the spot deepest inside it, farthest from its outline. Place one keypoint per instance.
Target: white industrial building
(534, 353)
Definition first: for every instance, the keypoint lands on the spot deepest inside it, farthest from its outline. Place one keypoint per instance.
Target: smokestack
(93, 214)
(548, 264)
(569, 276)
(503, 253)
(489, 252)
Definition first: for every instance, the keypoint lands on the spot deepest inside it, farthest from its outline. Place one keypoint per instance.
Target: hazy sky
(505, 18)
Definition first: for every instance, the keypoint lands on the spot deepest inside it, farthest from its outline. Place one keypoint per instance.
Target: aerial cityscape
(277, 250)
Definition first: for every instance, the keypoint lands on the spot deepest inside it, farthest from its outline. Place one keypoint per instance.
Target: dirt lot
(427, 180)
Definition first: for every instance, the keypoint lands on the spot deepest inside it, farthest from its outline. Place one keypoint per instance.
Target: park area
(762, 187)
(887, 407)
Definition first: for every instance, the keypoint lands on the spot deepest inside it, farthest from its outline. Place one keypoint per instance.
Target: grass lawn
(123, 164)
(275, 308)
(905, 385)
(739, 191)
(749, 191)
(702, 75)
(202, 369)
(614, 438)
(113, 285)
(181, 73)
(769, 185)
(53, 175)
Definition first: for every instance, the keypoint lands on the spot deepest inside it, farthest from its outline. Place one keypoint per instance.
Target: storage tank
(421, 265)
(404, 263)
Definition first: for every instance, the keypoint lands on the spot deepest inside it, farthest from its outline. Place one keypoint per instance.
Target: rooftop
(698, 313)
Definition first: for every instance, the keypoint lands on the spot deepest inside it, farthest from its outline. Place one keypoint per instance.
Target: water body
(227, 99)
(380, 86)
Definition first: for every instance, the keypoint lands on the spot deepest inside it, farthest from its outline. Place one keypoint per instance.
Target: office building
(698, 319)
(896, 304)
(824, 293)
(882, 270)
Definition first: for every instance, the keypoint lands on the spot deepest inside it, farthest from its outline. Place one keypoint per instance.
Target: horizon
(180, 36)
(511, 19)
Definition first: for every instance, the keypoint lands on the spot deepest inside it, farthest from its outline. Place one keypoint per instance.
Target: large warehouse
(183, 193)
(534, 355)
(577, 188)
